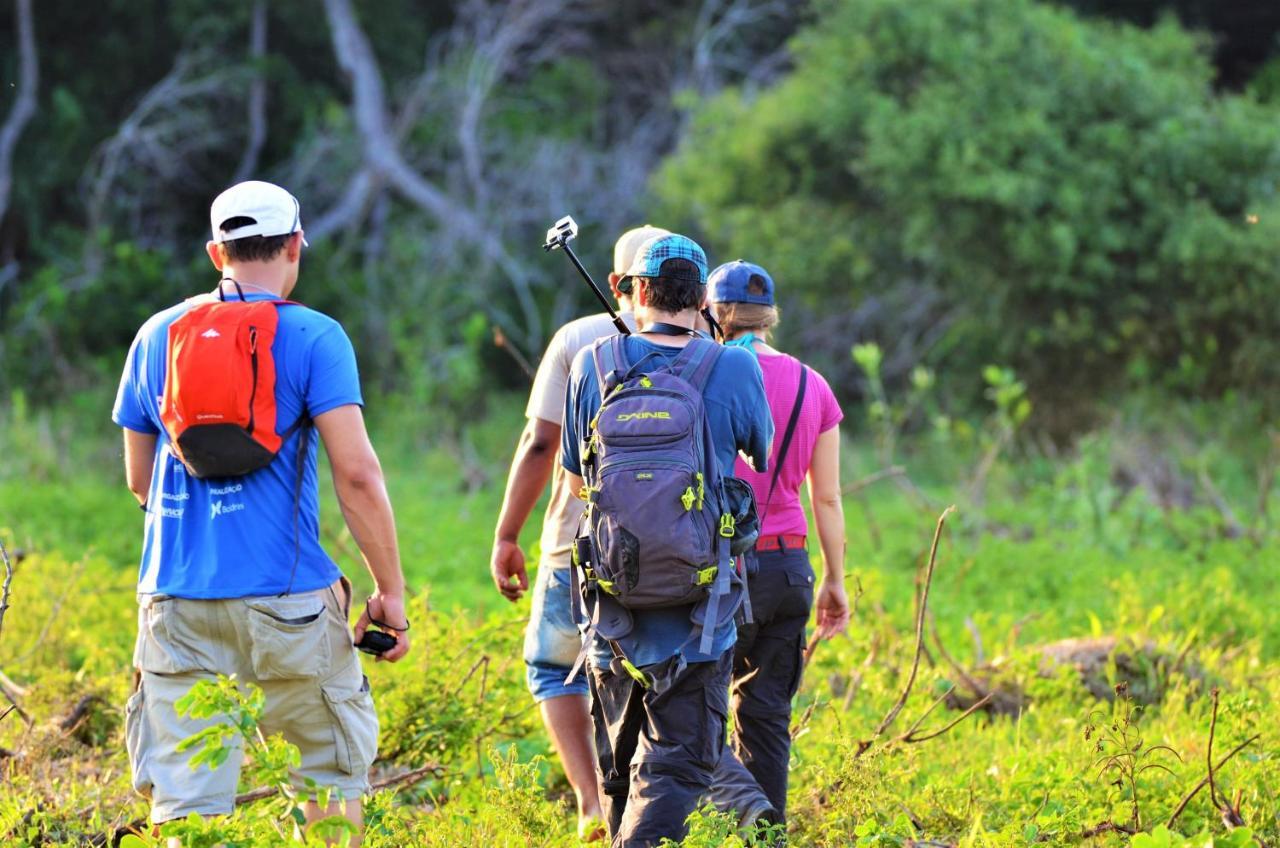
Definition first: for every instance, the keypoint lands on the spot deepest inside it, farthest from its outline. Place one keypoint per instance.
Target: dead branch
(1106, 827)
(1231, 526)
(871, 479)
(73, 719)
(910, 737)
(1208, 756)
(12, 697)
(1204, 781)
(974, 685)
(500, 340)
(920, 628)
(855, 679)
(1266, 482)
(979, 655)
(384, 161)
(24, 103)
(178, 123)
(257, 117)
(8, 582)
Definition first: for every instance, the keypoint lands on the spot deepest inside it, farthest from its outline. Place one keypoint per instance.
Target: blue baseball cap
(658, 249)
(731, 283)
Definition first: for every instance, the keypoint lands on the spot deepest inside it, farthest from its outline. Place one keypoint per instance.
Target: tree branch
(257, 95)
(383, 159)
(8, 581)
(24, 103)
(1204, 781)
(920, 628)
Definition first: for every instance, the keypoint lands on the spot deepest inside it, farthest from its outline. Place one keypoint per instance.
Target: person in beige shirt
(552, 640)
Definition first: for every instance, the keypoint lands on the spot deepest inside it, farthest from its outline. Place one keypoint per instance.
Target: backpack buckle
(706, 576)
(727, 525)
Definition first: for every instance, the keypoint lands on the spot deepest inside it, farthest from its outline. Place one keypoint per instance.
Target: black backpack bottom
(221, 450)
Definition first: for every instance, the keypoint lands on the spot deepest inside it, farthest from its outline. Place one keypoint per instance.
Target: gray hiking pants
(656, 752)
(768, 661)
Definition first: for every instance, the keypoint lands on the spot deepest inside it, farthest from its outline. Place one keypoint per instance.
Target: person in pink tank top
(751, 778)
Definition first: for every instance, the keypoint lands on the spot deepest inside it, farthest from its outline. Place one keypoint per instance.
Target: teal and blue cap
(658, 249)
(732, 283)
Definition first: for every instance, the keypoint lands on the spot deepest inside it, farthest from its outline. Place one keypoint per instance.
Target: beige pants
(298, 648)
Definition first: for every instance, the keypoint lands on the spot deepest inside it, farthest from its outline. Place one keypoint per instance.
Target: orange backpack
(219, 402)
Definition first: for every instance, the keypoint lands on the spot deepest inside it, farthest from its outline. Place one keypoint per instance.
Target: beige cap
(624, 249)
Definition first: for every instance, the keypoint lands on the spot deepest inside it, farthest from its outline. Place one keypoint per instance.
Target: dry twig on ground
(1229, 812)
(921, 610)
(8, 582)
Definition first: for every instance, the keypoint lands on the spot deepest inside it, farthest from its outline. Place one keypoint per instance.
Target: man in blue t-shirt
(657, 745)
(233, 577)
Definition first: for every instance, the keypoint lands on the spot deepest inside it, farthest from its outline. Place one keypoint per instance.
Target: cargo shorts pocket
(289, 640)
(165, 643)
(355, 724)
(137, 741)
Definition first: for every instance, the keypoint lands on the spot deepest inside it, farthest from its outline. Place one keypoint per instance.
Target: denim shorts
(551, 639)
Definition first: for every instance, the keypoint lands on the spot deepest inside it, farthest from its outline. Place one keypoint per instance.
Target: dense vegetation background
(1035, 246)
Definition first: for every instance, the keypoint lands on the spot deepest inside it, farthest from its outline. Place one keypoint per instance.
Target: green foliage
(1060, 548)
(1097, 214)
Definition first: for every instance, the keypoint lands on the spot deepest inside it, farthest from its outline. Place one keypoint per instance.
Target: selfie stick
(559, 236)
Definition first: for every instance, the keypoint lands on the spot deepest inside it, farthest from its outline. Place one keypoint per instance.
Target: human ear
(216, 255)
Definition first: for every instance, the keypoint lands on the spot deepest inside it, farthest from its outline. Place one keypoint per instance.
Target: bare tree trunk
(24, 104)
(257, 94)
(383, 159)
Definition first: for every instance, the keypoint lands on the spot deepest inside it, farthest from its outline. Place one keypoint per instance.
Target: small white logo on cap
(210, 334)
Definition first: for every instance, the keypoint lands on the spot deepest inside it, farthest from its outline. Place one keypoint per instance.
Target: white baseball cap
(624, 249)
(274, 211)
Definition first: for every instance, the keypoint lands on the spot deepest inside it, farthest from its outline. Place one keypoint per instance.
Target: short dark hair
(677, 287)
(252, 248)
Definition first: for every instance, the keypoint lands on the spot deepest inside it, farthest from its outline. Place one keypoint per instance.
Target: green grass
(1056, 550)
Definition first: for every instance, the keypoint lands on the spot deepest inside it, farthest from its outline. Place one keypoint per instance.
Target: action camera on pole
(559, 236)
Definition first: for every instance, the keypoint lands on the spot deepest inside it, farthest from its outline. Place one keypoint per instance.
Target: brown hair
(252, 248)
(678, 287)
(737, 318)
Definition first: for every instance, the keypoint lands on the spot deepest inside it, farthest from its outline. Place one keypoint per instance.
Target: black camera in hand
(376, 642)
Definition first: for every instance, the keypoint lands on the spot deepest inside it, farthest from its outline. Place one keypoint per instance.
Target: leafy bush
(1095, 213)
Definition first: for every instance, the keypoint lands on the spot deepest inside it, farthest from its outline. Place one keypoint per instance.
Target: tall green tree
(1074, 189)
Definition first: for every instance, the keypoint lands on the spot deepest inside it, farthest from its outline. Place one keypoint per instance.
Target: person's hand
(833, 609)
(508, 562)
(389, 610)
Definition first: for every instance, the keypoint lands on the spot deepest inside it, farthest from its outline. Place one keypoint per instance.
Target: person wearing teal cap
(751, 778)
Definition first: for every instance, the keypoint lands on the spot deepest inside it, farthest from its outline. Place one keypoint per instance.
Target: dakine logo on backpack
(219, 401)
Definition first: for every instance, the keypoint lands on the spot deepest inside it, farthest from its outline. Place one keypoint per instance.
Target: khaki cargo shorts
(298, 648)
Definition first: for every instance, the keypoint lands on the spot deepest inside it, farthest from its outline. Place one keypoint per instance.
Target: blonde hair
(738, 318)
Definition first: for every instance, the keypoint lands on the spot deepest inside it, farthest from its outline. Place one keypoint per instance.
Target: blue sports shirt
(740, 421)
(236, 537)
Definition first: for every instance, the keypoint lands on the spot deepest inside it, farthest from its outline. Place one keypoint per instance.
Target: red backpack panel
(219, 402)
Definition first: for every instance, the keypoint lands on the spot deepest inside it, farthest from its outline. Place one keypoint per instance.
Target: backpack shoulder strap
(695, 362)
(610, 357)
(787, 435)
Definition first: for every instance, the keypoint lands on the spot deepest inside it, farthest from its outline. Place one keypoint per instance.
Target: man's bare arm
(139, 461)
(362, 495)
(531, 468)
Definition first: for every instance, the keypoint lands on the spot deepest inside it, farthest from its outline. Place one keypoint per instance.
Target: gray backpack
(659, 527)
